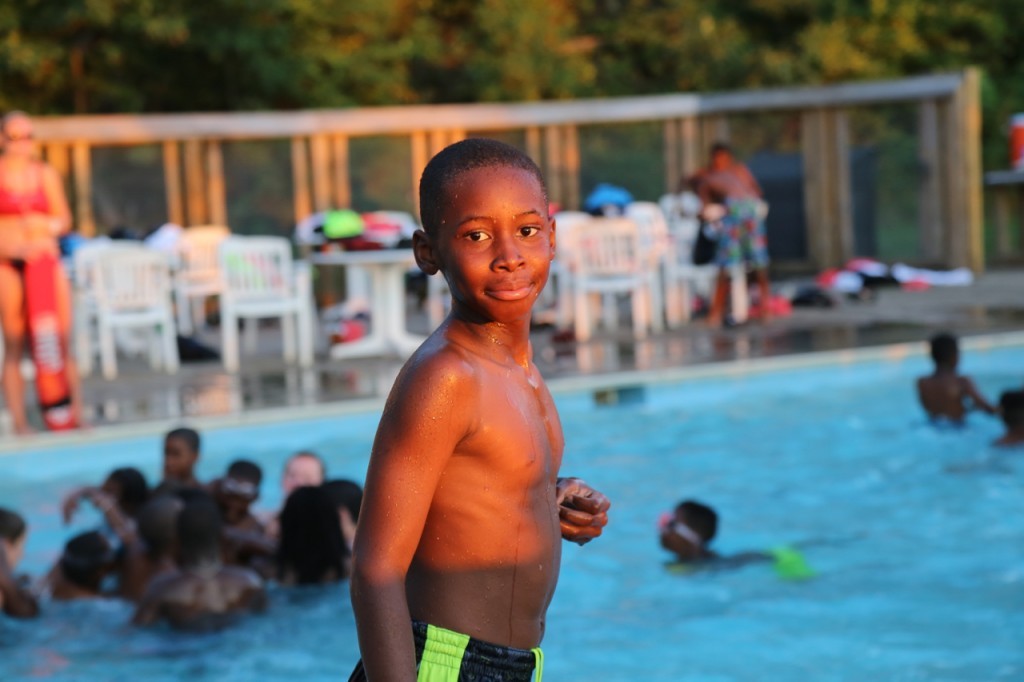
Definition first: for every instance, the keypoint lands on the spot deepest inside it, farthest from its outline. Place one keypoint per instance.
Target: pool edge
(558, 385)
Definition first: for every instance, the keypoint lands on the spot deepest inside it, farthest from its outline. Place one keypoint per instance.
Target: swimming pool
(916, 534)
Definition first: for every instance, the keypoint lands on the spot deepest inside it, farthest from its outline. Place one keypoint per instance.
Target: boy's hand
(582, 511)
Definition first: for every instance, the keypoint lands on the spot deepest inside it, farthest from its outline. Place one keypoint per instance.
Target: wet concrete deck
(993, 304)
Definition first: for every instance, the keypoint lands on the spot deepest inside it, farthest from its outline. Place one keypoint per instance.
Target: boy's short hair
(700, 517)
(189, 436)
(719, 147)
(345, 493)
(134, 489)
(944, 348)
(244, 470)
(1011, 404)
(454, 160)
(86, 557)
(158, 522)
(12, 525)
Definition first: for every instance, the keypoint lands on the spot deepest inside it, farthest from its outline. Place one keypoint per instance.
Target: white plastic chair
(610, 261)
(656, 244)
(85, 327)
(131, 288)
(560, 287)
(682, 276)
(259, 279)
(197, 275)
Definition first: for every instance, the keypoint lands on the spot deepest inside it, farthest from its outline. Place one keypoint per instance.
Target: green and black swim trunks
(446, 656)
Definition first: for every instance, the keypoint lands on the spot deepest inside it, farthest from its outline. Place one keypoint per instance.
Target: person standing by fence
(728, 184)
(33, 214)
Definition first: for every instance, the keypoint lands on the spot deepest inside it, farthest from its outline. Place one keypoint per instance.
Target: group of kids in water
(464, 511)
(194, 555)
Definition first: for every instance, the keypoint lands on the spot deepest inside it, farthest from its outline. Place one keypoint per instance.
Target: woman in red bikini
(33, 214)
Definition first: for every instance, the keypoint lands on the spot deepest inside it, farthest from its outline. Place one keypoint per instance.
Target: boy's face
(301, 471)
(179, 459)
(495, 243)
(721, 160)
(235, 496)
(14, 550)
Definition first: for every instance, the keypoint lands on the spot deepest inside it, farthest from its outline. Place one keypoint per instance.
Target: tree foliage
(96, 56)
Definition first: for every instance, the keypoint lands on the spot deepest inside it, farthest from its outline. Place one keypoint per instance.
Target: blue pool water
(917, 536)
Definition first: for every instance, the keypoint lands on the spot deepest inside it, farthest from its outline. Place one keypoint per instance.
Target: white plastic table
(386, 271)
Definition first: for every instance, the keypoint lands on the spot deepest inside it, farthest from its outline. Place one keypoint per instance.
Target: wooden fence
(948, 130)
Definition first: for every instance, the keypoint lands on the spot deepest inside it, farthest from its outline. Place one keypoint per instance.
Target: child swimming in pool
(151, 551)
(1011, 407)
(181, 453)
(16, 600)
(688, 531)
(87, 560)
(946, 395)
(458, 547)
(203, 593)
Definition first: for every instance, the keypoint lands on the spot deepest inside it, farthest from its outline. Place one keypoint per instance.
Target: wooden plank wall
(195, 185)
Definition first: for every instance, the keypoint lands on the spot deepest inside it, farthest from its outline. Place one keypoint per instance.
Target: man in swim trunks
(945, 394)
(459, 542)
(727, 183)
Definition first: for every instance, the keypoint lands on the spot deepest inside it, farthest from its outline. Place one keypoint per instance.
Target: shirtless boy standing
(945, 394)
(458, 548)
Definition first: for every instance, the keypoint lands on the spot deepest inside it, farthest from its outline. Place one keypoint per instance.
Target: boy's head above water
(945, 351)
(87, 559)
(12, 536)
(700, 518)
(690, 530)
(1011, 407)
(239, 488)
(181, 452)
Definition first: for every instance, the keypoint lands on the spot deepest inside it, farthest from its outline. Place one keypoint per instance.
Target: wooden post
(57, 156)
(420, 157)
(438, 140)
(571, 143)
(670, 153)
(533, 146)
(969, 98)
(195, 183)
(321, 163)
(930, 224)
(960, 121)
(1002, 206)
(301, 201)
(216, 193)
(82, 164)
(172, 183)
(843, 201)
(828, 204)
(342, 179)
(692, 154)
(553, 163)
